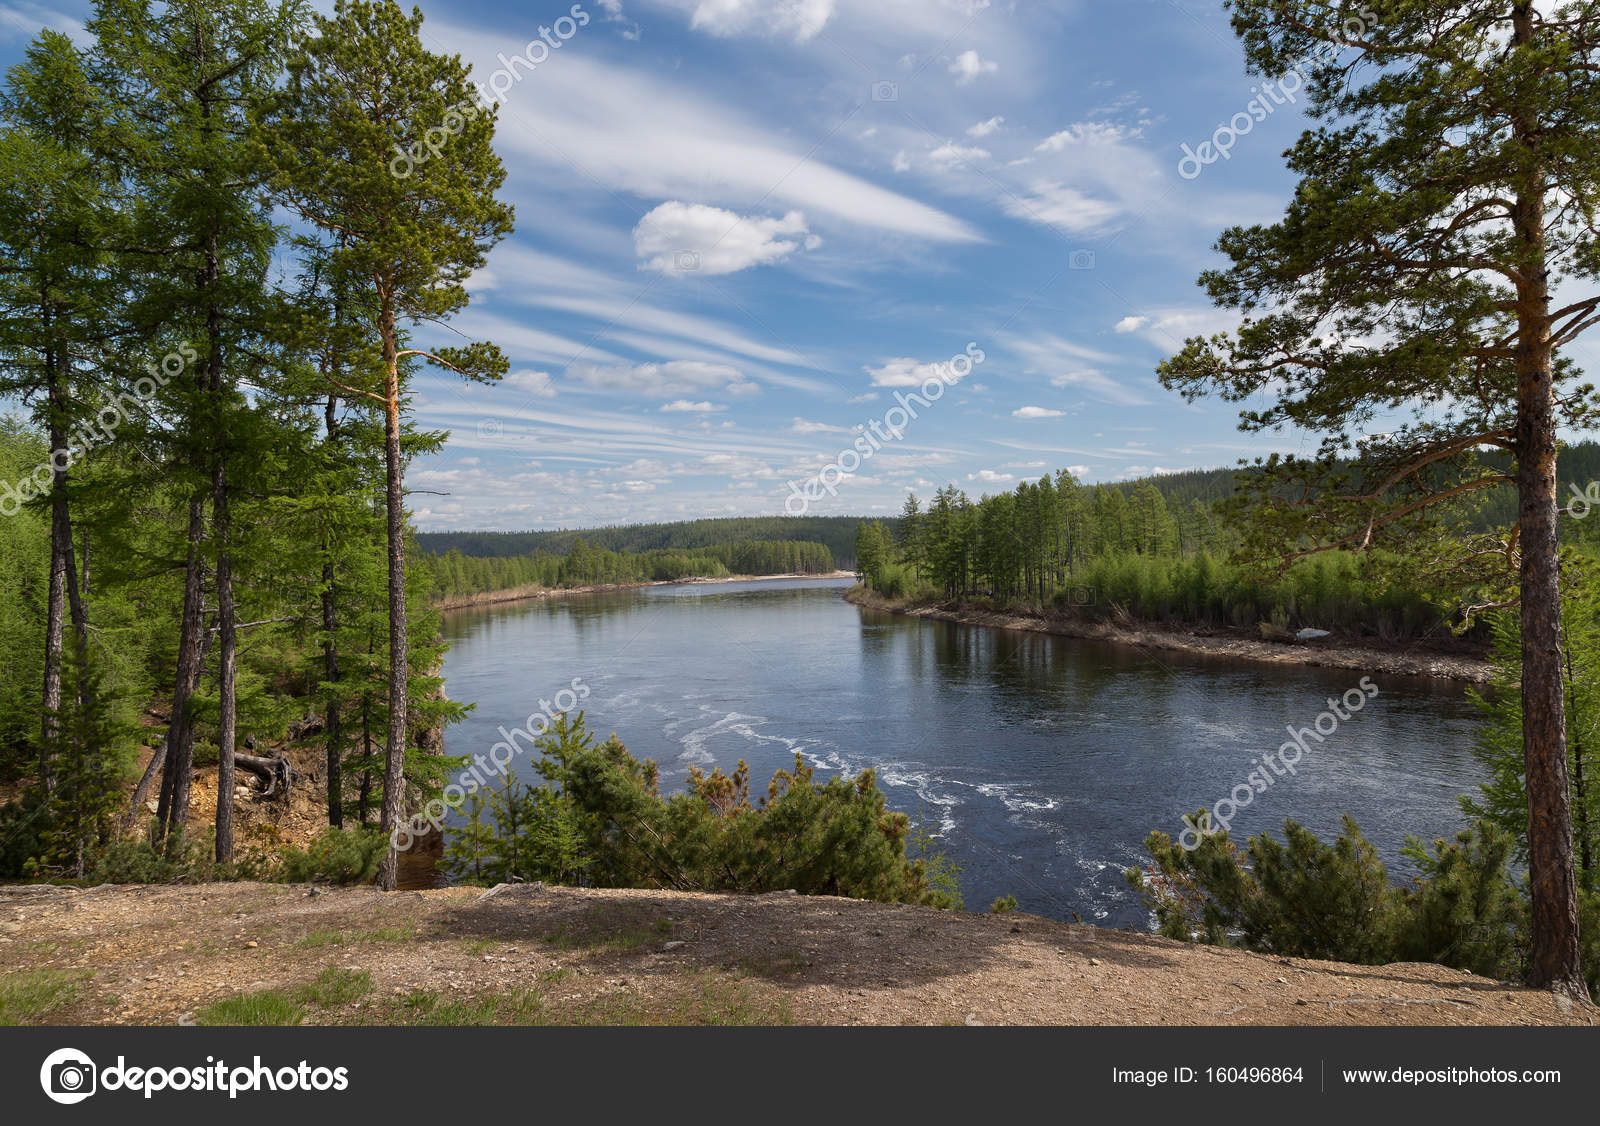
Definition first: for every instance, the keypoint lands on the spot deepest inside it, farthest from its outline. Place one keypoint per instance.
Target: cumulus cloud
(984, 128)
(536, 383)
(951, 153)
(1131, 324)
(685, 406)
(968, 65)
(1036, 412)
(687, 238)
(903, 371)
(677, 377)
(990, 477)
(799, 19)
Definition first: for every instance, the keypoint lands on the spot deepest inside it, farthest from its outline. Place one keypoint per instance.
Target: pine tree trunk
(394, 756)
(1554, 960)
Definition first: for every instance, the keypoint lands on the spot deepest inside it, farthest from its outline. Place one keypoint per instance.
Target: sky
(749, 231)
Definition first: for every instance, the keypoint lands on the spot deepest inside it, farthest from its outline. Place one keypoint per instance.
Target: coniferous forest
(224, 310)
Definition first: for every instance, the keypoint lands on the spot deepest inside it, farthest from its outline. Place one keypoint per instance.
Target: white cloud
(984, 128)
(1058, 205)
(990, 477)
(1078, 471)
(1131, 324)
(967, 66)
(1066, 364)
(903, 371)
(24, 20)
(684, 405)
(677, 377)
(951, 153)
(799, 19)
(902, 163)
(532, 382)
(688, 238)
(1086, 133)
(617, 126)
(1036, 412)
(801, 426)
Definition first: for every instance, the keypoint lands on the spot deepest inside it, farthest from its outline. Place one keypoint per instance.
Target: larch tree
(55, 206)
(1439, 253)
(386, 145)
(185, 77)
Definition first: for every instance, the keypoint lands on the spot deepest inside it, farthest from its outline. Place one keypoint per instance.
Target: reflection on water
(1041, 762)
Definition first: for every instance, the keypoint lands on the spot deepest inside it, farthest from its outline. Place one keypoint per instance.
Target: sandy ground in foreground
(529, 954)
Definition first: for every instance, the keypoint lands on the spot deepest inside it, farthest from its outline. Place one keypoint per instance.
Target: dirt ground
(264, 953)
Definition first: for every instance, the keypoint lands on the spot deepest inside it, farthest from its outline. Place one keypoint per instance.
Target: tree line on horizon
(457, 575)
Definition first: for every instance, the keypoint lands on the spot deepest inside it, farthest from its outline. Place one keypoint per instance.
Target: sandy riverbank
(1450, 661)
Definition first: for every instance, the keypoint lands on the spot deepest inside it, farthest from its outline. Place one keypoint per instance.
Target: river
(1040, 762)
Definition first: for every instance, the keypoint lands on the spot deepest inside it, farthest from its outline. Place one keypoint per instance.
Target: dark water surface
(1041, 762)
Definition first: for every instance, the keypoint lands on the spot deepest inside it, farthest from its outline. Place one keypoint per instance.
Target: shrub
(337, 856)
(1309, 900)
(833, 838)
(1004, 905)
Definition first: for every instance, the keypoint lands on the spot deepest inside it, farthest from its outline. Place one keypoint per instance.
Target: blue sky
(744, 225)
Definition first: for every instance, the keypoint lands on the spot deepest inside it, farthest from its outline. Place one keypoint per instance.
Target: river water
(1040, 762)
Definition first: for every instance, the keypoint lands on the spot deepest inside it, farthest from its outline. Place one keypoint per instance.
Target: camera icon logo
(886, 91)
(686, 261)
(491, 428)
(68, 1076)
(1080, 260)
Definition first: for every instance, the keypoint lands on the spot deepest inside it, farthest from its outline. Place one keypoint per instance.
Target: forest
(1171, 548)
(210, 306)
(836, 533)
(457, 574)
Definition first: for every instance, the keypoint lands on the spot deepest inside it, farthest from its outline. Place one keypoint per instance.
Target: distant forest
(1579, 467)
(836, 533)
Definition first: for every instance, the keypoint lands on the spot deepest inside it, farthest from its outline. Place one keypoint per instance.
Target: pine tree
(1445, 191)
(362, 89)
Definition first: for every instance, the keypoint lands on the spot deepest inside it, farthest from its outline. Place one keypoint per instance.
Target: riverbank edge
(532, 592)
(1410, 660)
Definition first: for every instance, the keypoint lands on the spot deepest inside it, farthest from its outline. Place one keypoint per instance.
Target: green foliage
(1005, 905)
(1305, 899)
(530, 834)
(91, 753)
(603, 820)
(1150, 549)
(872, 551)
(835, 533)
(458, 575)
(1503, 798)
(337, 856)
